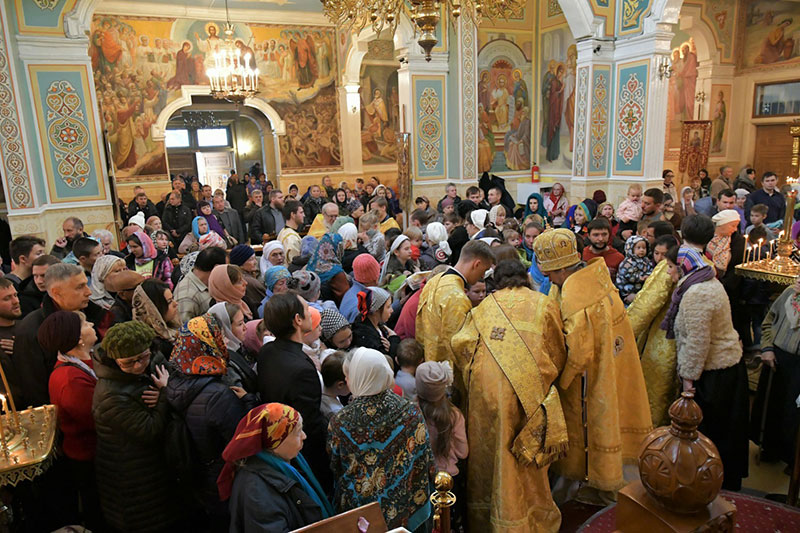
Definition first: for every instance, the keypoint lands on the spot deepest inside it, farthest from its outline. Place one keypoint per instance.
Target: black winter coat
(236, 194)
(211, 411)
(311, 208)
(286, 375)
(266, 501)
(35, 363)
(263, 223)
(178, 218)
(365, 334)
(149, 209)
(136, 490)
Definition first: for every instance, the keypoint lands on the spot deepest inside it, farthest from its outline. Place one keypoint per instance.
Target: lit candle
(758, 258)
(10, 398)
(746, 247)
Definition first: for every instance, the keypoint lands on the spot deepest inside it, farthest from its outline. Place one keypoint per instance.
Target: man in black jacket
(67, 290)
(268, 220)
(229, 219)
(179, 184)
(73, 230)
(141, 203)
(236, 193)
(286, 375)
(176, 219)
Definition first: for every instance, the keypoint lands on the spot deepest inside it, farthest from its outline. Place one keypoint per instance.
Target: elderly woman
(266, 478)
(211, 409)
(226, 283)
(438, 251)
(389, 459)
(104, 267)
(273, 254)
(154, 305)
(779, 385)
(240, 359)
(276, 279)
(131, 416)
(709, 353)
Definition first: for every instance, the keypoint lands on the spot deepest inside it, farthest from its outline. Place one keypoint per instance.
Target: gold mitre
(556, 249)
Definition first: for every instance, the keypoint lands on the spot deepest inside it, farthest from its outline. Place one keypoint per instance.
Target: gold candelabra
(778, 266)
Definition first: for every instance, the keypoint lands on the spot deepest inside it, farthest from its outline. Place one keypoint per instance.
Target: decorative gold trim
(784, 278)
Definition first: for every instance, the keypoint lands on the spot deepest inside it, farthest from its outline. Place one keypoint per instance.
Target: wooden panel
(348, 521)
(773, 151)
(182, 163)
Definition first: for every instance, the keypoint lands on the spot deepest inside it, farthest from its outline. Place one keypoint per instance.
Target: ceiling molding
(257, 16)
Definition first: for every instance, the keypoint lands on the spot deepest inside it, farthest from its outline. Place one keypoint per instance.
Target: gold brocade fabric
(658, 354)
(318, 229)
(600, 346)
(443, 307)
(506, 490)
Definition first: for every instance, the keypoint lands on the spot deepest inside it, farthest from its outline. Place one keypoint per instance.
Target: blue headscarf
(307, 245)
(196, 229)
(326, 260)
(541, 211)
(273, 275)
(540, 282)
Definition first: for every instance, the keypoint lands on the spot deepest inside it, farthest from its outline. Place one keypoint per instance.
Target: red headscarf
(264, 428)
(200, 349)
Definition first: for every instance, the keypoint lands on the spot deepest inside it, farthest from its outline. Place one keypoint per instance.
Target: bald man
(323, 222)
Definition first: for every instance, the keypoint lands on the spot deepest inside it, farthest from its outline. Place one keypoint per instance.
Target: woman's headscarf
(270, 247)
(252, 340)
(221, 289)
(600, 210)
(274, 274)
(154, 237)
(149, 251)
(200, 349)
(694, 269)
(220, 312)
(478, 218)
(370, 300)
(144, 310)
(306, 284)
(349, 234)
(683, 202)
(541, 211)
(437, 234)
(307, 246)
(326, 260)
(368, 372)
(432, 380)
(213, 223)
(332, 323)
(339, 222)
(100, 270)
(553, 198)
(187, 263)
(196, 227)
(400, 239)
(599, 196)
(493, 213)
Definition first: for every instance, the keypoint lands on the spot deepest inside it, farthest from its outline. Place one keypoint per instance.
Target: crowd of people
(525, 350)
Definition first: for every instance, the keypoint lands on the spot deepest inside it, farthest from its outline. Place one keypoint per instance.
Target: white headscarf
(395, 245)
(437, 234)
(221, 314)
(493, 213)
(478, 218)
(349, 234)
(683, 202)
(368, 372)
(270, 247)
(100, 270)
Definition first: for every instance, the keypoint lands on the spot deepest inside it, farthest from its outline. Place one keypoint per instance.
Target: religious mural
(380, 103)
(682, 87)
(141, 63)
(504, 100)
(312, 139)
(720, 100)
(771, 33)
(559, 57)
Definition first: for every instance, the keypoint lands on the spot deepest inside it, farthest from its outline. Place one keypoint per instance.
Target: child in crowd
(450, 222)
(370, 237)
(532, 230)
(512, 237)
(757, 215)
(414, 235)
(477, 292)
(634, 269)
(409, 356)
(629, 211)
(445, 422)
(334, 384)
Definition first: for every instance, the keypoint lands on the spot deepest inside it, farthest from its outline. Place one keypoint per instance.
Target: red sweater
(612, 258)
(71, 390)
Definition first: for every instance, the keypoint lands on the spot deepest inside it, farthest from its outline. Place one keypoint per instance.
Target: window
(213, 137)
(777, 99)
(177, 138)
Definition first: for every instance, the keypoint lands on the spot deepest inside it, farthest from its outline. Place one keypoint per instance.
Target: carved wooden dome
(680, 467)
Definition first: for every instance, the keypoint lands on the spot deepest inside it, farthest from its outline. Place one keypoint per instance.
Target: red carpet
(754, 515)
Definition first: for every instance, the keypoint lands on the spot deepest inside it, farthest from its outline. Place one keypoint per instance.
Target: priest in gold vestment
(658, 354)
(515, 349)
(443, 307)
(602, 388)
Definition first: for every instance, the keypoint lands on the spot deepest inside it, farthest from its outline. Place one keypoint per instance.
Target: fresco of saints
(305, 60)
(184, 68)
(776, 46)
(210, 45)
(483, 91)
(520, 88)
(500, 102)
(555, 102)
(720, 114)
(485, 140)
(547, 86)
(518, 142)
(688, 75)
(569, 92)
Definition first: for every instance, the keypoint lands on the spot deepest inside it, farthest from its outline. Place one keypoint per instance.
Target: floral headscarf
(274, 274)
(149, 251)
(144, 310)
(307, 245)
(326, 260)
(200, 349)
(187, 263)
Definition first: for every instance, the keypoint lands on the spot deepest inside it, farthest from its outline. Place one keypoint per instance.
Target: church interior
(102, 97)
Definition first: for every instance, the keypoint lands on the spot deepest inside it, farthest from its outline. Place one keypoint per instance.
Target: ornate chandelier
(385, 14)
(233, 77)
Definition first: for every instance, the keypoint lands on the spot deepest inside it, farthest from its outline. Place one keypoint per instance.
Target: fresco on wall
(771, 33)
(380, 103)
(557, 110)
(141, 63)
(504, 100)
(720, 100)
(312, 140)
(681, 104)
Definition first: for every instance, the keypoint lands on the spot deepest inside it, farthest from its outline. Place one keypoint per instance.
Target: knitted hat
(366, 269)
(241, 253)
(124, 280)
(127, 339)
(332, 323)
(371, 300)
(316, 318)
(137, 219)
(432, 379)
(353, 205)
(60, 332)
(556, 249)
(306, 283)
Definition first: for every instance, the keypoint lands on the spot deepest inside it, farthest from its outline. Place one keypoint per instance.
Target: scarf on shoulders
(695, 270)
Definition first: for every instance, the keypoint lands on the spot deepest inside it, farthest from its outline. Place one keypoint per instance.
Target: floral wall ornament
(630, 119)
(46, 4)
(68, 134)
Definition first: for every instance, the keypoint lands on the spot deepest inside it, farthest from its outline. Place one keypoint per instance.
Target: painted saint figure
(500, 98)
(555, 102)
(720, 115)
(776, 46)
